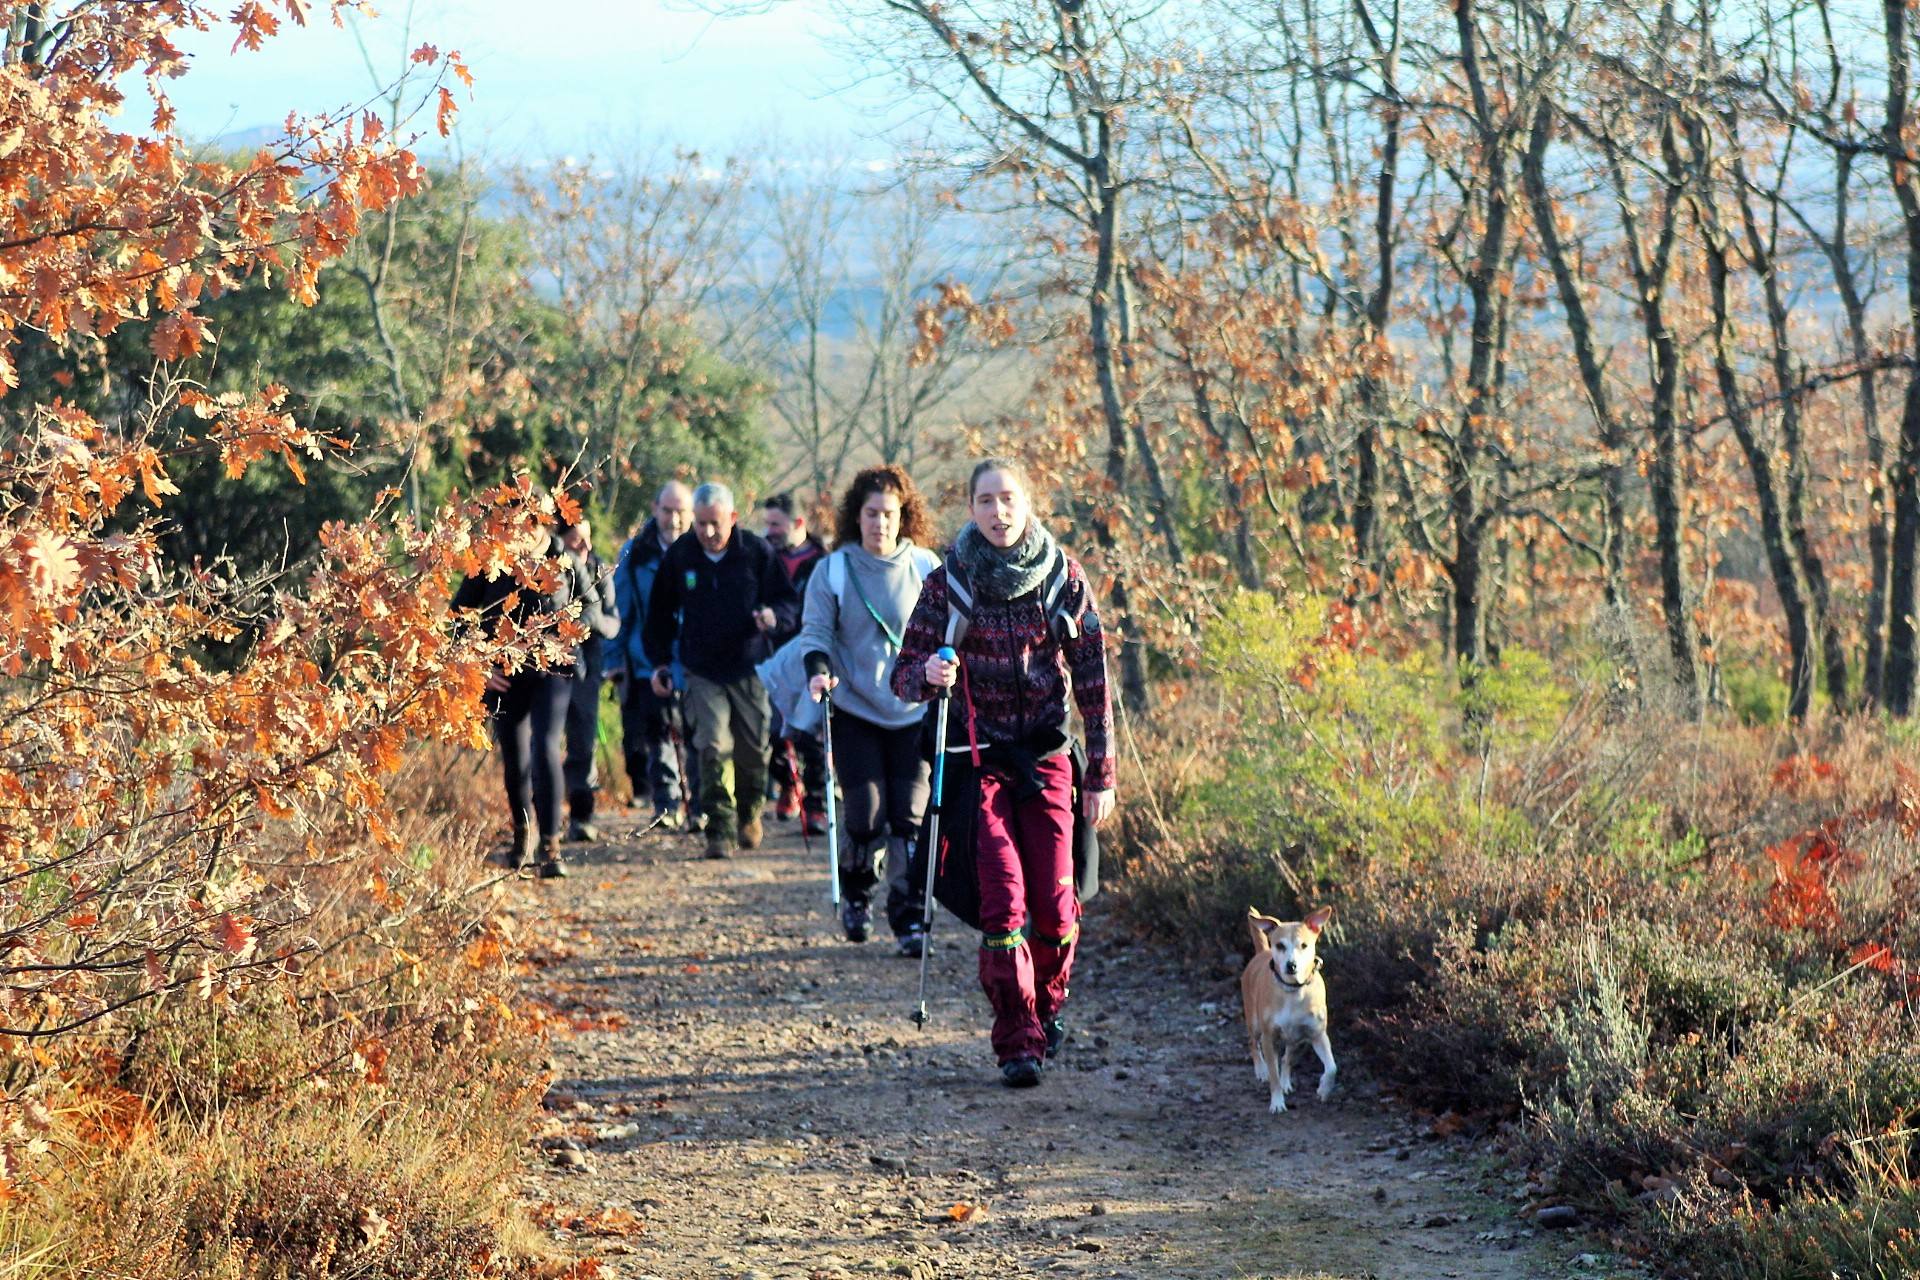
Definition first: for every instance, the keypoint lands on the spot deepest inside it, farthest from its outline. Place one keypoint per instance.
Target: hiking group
(750, 668)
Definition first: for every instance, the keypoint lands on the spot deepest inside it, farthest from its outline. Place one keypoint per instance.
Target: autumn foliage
(196, 762)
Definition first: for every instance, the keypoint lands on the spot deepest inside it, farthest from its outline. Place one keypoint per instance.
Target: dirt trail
(757, 1098)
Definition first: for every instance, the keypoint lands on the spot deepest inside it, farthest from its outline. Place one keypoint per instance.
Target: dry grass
(360, 1118)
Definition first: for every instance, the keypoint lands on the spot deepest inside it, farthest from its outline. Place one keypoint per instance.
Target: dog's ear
(1260, 926)
(1317, 920)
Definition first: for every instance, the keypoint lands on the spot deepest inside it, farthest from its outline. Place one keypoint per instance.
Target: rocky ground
(745, 1096)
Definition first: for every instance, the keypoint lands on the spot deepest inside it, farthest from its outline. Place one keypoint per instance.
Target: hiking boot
(1056, 1029)
(717, 845)
(750, 832)
(1021, 1073)
(857, 919)
(552, 865)
(913, 943)
(787, 807)
(583, 833)
(520, 852)
(667, 820)
(816, 822)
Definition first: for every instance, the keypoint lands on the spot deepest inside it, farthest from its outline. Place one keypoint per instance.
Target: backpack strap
(837, 576)
(1064, 622)
(1053, 590)
(959, 603)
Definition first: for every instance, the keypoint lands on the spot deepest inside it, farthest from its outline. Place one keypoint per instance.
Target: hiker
(651, 725)
(1020, 614)
(528, 707)
(800, 552)
(583, 707)
(856, 611)
(717, 594)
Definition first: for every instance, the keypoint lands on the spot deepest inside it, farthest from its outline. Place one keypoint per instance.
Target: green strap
(1003, 941)
(894, 638)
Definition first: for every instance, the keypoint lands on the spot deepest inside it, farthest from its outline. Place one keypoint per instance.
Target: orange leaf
(234, 937)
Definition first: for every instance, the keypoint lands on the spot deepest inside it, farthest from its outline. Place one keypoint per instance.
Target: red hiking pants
(1028, 911)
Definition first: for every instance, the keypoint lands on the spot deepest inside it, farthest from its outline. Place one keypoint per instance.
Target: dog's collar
(1296, 986)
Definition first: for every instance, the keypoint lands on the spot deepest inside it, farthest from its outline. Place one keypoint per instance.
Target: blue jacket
(632, 588)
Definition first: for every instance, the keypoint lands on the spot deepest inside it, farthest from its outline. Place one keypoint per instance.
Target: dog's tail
(1260, 942)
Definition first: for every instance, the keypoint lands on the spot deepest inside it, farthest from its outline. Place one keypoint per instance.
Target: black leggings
(882, 778)
(530, 724)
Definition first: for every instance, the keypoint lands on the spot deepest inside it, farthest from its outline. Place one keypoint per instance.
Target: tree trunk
(1464, 497)
(1773, 535)
(1100, 320)
(1906, 466)
(1613, 536)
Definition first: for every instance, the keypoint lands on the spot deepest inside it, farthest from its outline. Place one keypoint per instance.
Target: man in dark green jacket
(719, 592)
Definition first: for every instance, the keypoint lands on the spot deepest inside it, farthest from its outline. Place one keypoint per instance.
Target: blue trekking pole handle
(932, 851)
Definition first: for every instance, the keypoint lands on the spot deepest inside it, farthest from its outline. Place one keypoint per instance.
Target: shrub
(1678, 958)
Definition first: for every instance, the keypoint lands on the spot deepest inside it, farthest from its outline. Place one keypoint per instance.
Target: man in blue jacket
(649, 720)
(717, 594)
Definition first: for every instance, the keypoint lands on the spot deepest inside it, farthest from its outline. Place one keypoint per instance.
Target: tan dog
(1282, 994)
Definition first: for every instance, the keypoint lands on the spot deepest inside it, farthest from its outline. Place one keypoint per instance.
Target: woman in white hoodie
(858, 603)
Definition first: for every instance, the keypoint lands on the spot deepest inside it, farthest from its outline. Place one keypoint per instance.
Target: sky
(590, 77)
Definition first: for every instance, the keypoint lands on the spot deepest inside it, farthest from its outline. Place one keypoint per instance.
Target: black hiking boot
(913, 943)
(520, 852)
(1056, 1029)
(857, 919)
(1021, 1073)
(552, 865)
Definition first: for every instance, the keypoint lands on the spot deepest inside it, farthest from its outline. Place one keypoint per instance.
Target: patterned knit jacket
(1016, 669)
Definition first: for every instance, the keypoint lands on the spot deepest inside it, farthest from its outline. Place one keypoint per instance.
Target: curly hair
(915, 524)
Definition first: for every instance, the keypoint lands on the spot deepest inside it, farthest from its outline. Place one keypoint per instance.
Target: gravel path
(746, 1097)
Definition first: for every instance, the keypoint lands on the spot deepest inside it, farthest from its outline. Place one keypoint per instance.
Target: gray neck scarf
(1009, 574)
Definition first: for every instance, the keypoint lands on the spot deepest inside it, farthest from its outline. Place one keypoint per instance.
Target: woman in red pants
(1020, 614)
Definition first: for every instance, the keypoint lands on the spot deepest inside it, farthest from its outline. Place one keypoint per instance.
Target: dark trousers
(649, 724)
(1029, 914)
(529, 721)
(883, 788)
(583, 738)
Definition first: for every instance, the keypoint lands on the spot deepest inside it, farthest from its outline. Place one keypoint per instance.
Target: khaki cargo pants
(730, 734)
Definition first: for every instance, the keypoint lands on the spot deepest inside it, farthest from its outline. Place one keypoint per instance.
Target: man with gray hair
(719, 591)
(650, 722)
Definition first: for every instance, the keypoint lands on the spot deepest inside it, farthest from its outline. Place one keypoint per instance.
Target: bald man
(649, 721)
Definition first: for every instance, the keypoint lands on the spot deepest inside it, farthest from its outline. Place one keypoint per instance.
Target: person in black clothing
(719, 592)
(800, 552)
(583, 707)
(651, 727)
(529, 707)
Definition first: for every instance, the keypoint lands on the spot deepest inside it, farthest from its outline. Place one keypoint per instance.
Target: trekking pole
(946, 654)
(833, 807)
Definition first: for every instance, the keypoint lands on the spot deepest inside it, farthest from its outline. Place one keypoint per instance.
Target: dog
(1282, 994)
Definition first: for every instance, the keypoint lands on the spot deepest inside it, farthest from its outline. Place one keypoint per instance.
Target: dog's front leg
(1324, 1047)
(1276, 1095)
(1286, 1066)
